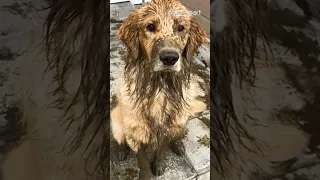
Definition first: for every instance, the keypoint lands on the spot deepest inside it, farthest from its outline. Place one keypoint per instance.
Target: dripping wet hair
(76, 34)
(234, 50)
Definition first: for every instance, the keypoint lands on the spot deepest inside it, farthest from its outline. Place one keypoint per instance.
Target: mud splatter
(114, 102)
(204, 140)
(116, 21)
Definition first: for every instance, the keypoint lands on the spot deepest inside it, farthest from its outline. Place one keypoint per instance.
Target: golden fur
(128, 121)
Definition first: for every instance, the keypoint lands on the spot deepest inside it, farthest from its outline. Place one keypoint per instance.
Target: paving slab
(197, 145)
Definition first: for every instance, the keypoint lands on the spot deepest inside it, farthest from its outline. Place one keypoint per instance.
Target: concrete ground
(296, 48)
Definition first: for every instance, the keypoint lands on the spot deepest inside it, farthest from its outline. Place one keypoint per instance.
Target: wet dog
(156, 92)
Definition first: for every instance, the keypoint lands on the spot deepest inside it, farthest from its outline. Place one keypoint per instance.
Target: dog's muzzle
(166, 56)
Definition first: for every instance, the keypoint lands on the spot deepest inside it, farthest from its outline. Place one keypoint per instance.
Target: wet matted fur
(244, 139)
(65, 107)
(154, 103)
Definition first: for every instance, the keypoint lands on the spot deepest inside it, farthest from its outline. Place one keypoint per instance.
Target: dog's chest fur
(159, 121)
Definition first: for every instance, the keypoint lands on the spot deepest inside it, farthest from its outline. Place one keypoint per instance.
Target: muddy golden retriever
(157, 90)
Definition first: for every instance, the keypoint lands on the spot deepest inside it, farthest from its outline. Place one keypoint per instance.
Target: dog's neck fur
(150, 86)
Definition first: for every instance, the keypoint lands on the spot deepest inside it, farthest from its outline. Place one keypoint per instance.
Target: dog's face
(163, 34)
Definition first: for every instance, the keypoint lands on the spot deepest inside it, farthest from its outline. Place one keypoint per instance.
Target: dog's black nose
(169, 58)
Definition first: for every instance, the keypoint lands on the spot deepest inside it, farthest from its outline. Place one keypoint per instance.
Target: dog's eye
(180, 28)
(151, 27)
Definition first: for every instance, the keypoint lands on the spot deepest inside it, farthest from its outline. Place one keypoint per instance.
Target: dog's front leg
(157, 161)
(143, 163)
(123, 151)
(177, 147)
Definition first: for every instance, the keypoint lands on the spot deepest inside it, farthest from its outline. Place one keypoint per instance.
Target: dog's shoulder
(195, 89)
(193, 95)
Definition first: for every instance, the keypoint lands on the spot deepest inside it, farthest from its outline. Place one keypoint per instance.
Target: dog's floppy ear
(197, 37)
(128, 34)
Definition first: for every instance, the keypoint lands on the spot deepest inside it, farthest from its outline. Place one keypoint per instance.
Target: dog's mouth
(159, 66)
(169, 69)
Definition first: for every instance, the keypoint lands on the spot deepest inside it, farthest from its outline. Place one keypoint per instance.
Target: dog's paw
(178, 148)
(158, 168)
(123, 153)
